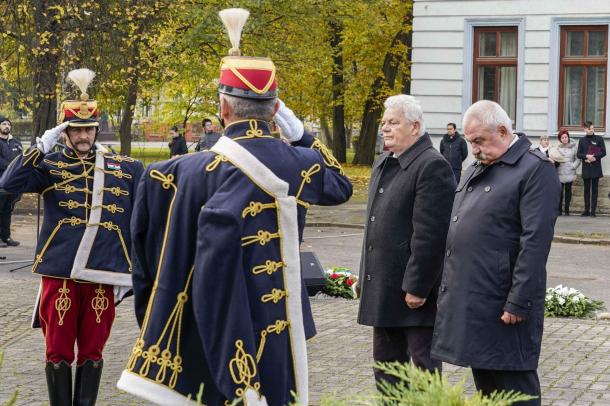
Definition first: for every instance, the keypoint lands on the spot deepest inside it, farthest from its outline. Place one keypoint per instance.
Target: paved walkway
(574, 367)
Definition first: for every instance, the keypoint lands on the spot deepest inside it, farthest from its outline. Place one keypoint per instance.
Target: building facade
(544, 61)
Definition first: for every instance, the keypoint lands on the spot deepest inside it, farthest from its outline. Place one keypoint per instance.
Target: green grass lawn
(359, 174)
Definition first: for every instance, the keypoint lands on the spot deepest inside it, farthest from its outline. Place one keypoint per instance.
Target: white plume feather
(234, 20)
(81, 78)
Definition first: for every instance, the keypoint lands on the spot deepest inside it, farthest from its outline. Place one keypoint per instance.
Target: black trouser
(525, 382)
(458, 174)
(591, 194)
(403, 344)
(7, 204)
(566, 190)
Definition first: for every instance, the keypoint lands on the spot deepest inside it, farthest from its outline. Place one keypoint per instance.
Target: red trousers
(74, 312)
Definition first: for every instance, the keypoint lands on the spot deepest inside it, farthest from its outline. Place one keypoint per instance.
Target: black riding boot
(59, 382)
(87, 382)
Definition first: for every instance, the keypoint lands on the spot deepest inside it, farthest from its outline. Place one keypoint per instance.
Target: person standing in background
(209, 137)
(543, 145)
(453, 147)
(566, 161)
(10, 148)
(591, 149)
(177, 145)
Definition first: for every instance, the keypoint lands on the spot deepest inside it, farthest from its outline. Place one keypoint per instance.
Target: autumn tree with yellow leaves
(336, 60)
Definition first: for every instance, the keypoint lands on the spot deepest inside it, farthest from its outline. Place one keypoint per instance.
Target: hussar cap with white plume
(234, 20)
(247, 77)
(82, 78)
(83, 112)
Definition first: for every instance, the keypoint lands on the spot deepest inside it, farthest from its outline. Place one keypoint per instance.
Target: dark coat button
(469, 188)
(448, 253)
(370, 248)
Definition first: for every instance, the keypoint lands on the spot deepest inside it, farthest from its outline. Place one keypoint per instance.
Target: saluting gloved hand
(48, 140)
(291, 126)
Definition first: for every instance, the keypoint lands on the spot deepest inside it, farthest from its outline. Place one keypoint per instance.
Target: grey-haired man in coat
(491, 299)
(410, 198)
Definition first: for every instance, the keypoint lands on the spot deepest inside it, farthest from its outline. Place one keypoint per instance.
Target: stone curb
(338, 225)
(558, 238)
(585, 241)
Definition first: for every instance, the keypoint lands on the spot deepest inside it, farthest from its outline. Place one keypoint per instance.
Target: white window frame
(467, 85)
(554, 64)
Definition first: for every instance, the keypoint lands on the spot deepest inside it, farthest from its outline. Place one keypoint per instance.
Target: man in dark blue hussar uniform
(217, 279)
(83, 251)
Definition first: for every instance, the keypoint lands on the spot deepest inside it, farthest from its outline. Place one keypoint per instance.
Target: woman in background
(564, 156)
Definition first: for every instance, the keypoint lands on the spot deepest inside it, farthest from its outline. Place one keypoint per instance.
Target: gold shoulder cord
(32, 155)
(329, 158)
(306, 175)
(217, 160)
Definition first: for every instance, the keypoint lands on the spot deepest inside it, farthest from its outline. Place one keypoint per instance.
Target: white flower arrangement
(562, 301)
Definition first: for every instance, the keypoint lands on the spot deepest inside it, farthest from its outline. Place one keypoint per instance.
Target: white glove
(291, 127)
(48, 140)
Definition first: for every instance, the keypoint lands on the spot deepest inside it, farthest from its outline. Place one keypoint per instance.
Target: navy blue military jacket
(87, 208)
(217, 278)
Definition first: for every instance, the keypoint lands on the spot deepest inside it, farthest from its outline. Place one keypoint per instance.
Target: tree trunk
(339, 147)
(127, 116)
(325, 131)
(365, 150)
(406, 77)
(44, 71)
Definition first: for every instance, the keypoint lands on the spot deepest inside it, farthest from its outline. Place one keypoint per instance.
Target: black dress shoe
(593, 215)
(584, 214)
(10, 242)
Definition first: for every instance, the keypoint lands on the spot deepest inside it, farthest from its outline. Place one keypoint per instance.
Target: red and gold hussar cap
(83, 112)
(244, 76)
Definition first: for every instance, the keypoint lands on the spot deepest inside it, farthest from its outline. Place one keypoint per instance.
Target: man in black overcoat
(410, 198)
(453, 147)
(491, 299)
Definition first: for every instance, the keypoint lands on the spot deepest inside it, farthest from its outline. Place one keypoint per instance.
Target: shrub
(422, 388)
(13, 398)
